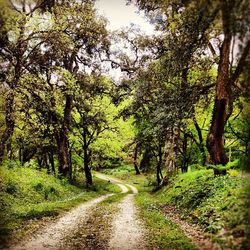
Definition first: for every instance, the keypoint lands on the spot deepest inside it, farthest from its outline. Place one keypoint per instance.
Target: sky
(121, 15)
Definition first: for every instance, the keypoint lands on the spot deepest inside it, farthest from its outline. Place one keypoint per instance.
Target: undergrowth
(216, 204)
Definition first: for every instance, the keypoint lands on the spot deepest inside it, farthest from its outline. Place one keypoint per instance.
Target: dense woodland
(184, 94)
(181, 102)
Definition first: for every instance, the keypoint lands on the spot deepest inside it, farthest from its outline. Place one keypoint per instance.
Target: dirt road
(79, 228)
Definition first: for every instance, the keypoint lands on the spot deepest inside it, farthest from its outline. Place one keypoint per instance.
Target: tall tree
(224, 97)
(193, 26)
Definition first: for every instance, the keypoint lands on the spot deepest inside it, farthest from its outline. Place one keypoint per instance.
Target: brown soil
(194, 233)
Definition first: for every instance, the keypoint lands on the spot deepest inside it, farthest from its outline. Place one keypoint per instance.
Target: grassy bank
(163, 233)
(28, 194)
(217, 204)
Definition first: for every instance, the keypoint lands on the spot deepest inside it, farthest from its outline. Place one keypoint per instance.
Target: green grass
(27, 193)
(163, 233)
(216, 204)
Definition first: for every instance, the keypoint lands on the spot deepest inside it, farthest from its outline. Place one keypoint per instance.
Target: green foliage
(230, 165)
(217, 204)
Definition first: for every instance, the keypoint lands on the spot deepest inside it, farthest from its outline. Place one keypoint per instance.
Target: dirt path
(92, 225)
(51, 236)
(128, 232)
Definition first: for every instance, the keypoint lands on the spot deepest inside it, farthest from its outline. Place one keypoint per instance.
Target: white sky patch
(121, 15)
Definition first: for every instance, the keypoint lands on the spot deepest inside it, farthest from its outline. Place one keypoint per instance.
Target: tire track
(51, 236)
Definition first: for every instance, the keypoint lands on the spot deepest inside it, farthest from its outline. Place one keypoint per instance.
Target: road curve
(117, 182)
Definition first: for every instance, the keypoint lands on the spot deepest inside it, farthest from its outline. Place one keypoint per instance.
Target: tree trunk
(137, 171)
(146, 158)
(158, 167)
(171, 152)
(46, 163)
(201, 145)
(222, 104)
(28, 154)
(184, 165)
(63, 153)
(9, 123)
(51, 160)
(86, 160)
(87, 170)
(40, 162)
(63, 142)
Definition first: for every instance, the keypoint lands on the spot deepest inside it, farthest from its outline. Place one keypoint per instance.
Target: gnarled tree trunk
(170, 158)
(222, 104)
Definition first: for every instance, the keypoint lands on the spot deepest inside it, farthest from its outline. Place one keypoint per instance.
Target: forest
(173, 127)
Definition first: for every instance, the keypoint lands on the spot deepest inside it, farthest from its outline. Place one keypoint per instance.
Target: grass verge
(217, 204)
(163, 233)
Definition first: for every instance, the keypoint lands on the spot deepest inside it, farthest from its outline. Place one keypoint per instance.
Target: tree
(223, 104)
(91, 116)
(12, 56)
(193, 25)
(66, 45)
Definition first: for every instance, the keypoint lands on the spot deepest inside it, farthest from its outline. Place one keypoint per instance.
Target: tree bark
(51, 160)
(63, 141)
(137, 171)
(9, 123)
(184, 165)
(158, 167)
(63, 153)
(86, 160)
(201, 145)
(171, 153)
(222, 104)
